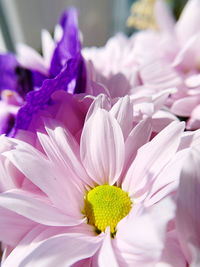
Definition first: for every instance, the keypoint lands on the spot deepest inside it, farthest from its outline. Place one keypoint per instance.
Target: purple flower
(33, 78)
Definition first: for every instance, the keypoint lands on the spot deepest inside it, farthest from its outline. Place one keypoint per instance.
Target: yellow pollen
(106, 205)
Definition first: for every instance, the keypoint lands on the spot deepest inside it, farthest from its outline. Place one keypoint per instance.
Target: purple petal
(70, 44)
(8, 80)
(36, 100)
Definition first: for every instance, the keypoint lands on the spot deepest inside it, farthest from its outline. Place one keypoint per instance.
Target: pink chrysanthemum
(99, 203)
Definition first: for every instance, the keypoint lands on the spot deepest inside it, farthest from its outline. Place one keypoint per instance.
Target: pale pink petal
(188, 23)
(188, 206)
(140, 236)
(160, 98)
(63, 149)
(172, 254)
(139, 136)
(160, 75)
(13, 227)
(151, 158)
(48, 46)
(31, 59)
(101, 101)
(184, 106)
(13, 257)
(161, 119)
(45, 175)
(119, 85)
(187, 58)
(192, 124)
(102, 148)
(98, 88)
(168, 180)
(193, 81)
(106, 255)
(164, 16)
(58, 250)
(123, 112)
(189, 139)
(36, 208)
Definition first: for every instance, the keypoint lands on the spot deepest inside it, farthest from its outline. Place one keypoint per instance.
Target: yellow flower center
(106, 205)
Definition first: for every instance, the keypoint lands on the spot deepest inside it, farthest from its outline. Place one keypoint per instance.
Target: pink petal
(13, 227)
(184, 106)
(63, 149)
(151, 158)
(161, 119)
(101, 101)
(58, 250)
(48, 46)
(188, 23)
(159, 75)
(35, 209)
(187, 56)
(140, 235)
(168, 180)
(193, 81)
(102, 148)
(137, 138)
(188, 206)
(172, 254)
(119, 85)
(106, 255)
(31, 59)
(164, 16)
(45, 175)
(123, 112)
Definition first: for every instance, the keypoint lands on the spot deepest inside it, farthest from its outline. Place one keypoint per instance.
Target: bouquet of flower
(100, 147)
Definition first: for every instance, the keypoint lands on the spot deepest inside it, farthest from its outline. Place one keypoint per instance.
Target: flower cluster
(97, 166)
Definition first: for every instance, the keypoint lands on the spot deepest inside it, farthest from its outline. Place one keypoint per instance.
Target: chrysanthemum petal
(138, 137)
(102, 148)
(34, 208)
(58, 250)
(19, 225)
(151, 158)
(123, 112)
(45, 175)
(140, 236)
(187, 24)
(188, 206)
(106, 255)
(63, 149)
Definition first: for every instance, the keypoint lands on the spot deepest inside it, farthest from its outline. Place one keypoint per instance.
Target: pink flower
(69, 178)
(188, 204)
(155, 61)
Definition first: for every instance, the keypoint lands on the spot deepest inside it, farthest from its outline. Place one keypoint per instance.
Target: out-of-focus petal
(184, 106)
(188, 206)
(187, 24)
(164, 17)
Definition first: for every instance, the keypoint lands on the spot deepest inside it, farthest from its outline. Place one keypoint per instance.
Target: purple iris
(25, 91)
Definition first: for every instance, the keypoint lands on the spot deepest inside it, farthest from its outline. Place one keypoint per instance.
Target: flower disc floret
(106, 205)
